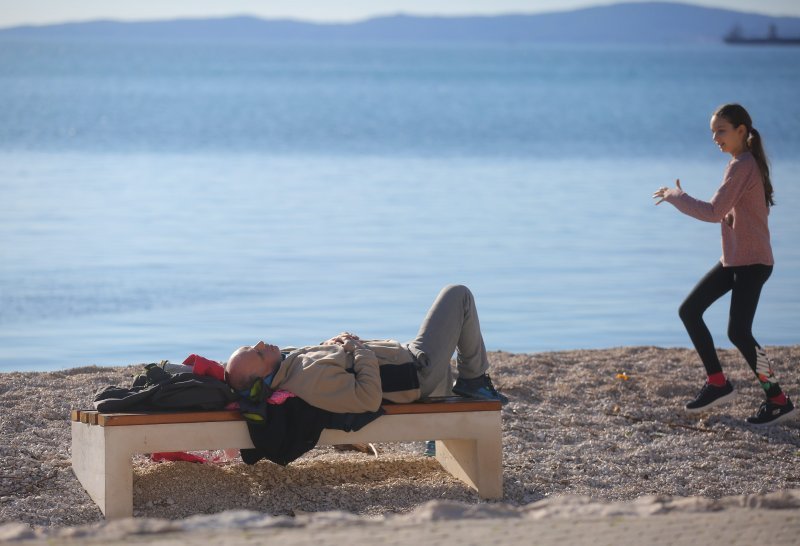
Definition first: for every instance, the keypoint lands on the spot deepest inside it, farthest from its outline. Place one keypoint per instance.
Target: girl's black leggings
(744, 283)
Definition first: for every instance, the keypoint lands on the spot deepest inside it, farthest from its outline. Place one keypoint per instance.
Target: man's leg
(451, 324)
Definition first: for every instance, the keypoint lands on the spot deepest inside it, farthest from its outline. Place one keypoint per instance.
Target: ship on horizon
(736, 37)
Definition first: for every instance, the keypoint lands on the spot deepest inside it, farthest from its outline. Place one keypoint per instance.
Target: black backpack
(159, 390)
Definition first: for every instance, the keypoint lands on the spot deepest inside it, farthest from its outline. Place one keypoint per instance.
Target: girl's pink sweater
(746, 240)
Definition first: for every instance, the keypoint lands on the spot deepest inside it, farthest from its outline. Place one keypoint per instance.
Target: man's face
(269, 355)
(249, 362)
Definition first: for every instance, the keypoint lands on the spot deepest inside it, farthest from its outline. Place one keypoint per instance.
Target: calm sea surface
(163, 199)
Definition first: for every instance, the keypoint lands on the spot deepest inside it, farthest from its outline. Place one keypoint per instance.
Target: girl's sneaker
(769, 413)
(711, 396)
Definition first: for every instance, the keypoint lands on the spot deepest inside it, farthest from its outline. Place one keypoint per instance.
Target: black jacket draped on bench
(288, 430)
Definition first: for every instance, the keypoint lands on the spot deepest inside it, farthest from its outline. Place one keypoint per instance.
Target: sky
(38, 12)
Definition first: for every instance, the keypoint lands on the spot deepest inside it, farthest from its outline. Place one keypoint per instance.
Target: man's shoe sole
(785, 417)
(722, 400)
(473, 397)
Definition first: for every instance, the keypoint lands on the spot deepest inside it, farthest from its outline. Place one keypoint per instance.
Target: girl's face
(730, 139)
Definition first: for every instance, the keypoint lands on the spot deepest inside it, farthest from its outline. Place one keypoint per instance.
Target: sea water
(162, 199)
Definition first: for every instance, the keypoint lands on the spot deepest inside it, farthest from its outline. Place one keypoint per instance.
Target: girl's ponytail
(757, 149)
(737, 115)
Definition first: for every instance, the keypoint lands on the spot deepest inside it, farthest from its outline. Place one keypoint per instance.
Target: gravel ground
(574, 426)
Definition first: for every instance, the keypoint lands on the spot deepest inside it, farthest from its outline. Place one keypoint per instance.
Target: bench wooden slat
(87, 416)
(122, 419)
(442, 405)
(434, 405)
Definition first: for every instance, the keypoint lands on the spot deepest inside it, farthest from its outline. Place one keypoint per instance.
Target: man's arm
(355, 389)
(340, 339)
(367, 391)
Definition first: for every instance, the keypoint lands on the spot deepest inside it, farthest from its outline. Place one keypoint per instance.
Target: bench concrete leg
(104, 469)
(101, 456)
(470, 446)
(477, 462)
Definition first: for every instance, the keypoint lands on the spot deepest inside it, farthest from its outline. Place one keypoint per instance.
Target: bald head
(247, 364)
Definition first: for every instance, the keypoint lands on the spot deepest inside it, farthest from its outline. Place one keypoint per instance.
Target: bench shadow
(355, 483)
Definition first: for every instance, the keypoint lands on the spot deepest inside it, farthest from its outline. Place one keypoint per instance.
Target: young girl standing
(741, 206)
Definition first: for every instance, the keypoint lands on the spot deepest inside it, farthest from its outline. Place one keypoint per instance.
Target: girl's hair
(736, 115)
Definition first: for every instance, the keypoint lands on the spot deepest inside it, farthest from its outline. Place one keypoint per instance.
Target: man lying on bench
(347, 375)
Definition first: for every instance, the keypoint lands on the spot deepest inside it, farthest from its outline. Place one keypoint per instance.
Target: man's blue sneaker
(430, 448)
(481, 387)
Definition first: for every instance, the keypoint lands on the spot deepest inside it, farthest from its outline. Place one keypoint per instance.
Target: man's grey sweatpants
(450, 325)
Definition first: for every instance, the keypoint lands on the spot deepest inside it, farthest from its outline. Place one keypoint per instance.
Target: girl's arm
(729, 192)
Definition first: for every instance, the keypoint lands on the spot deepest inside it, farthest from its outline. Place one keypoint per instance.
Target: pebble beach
(586, 433)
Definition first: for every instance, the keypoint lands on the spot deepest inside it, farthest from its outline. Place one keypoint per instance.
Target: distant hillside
(658, 22)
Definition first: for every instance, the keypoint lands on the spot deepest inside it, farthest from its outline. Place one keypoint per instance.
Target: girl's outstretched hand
(661, 193)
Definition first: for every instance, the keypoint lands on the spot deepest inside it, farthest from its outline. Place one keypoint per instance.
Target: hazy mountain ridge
(658, 22)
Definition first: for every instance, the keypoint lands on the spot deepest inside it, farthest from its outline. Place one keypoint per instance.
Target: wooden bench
(467, 433)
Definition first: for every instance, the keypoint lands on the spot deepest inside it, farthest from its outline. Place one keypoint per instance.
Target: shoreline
(573, 429)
